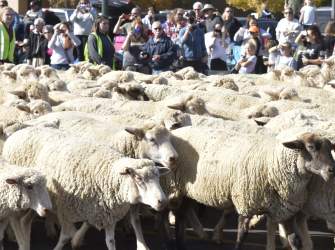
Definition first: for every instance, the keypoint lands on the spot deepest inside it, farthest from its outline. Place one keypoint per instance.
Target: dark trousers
(198, 65)
(80, 49)
(218, 64)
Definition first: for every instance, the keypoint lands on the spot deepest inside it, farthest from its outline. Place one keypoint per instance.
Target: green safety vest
(6, 47)
(100, 46)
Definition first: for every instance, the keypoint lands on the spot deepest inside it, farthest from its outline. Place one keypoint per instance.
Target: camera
(144, 55)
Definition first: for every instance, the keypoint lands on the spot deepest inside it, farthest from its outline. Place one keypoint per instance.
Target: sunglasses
(219, 31)
(157, 28)
(196, 9)
(228, 11)
(288, 12)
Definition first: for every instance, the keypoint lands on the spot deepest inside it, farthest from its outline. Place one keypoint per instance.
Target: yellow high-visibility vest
(100, 46)
(6, 47)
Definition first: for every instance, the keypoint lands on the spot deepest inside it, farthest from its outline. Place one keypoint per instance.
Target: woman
(247, 63)
(329, 38)
(133, 43)
(36, 54)
(217, 42)
(7, 44)
(83, 19)
(100, 48)
(48, 32)
(62, 43)
(312, 40)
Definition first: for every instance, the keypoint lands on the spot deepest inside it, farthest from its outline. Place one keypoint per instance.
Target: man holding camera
(159, 51)
(193, 44)
(83, 19)
(124, 23)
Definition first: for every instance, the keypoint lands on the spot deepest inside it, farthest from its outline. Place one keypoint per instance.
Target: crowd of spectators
(202, 38)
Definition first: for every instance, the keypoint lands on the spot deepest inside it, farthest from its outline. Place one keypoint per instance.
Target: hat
(254, 29)
(208, 6)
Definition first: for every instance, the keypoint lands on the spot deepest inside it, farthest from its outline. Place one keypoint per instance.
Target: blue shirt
(194, 47)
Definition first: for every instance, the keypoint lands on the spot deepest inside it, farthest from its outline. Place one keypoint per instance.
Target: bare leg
(3, 226)
(66, 233)
(271, 234)
(243, 229)
(79, 236)
(110, 238)
(136, 223)
(292, 236)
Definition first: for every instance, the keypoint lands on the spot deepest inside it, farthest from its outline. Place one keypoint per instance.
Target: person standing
(159, 50)
(124, 23)
(193, 46)
(48, 32)
(34, 12)
(62, 43)
(83, 19)
(288, 27)
(210, 18)
(149, 18)
(7, 35)
(100, 49)
(307, 14)
(36, 54)
(231, 24)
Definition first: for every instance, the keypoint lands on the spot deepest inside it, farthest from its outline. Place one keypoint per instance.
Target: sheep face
(32, 186)
(145, 181)
(155, 144)
(315, 154)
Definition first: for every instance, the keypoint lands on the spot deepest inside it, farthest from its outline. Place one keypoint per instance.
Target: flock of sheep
(90, 144)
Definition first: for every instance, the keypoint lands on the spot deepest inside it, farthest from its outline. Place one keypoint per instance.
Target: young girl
(307, 14)
(284, 58)
(247, 64)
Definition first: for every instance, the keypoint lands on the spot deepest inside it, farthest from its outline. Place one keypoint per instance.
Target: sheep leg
(164, 230)
(180, 228)
(50, 226)
(270, 234)
(3, 226)
(136, 223)
(243, 229)
(301, 220)
(194, 221)
(218, 230)
(292, 236)
(110, 236)
(66, 233)
(21, 226)
(79, 236)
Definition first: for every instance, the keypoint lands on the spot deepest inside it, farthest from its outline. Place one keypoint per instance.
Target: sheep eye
(311, 147)
(138, 178)
(152, 140)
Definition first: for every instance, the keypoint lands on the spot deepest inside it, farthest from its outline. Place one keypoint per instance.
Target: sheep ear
(23, 107)
(128, 171)
(163, 171)
(137, 132)
(11, 181)
(20, 93)
(296, 144)
(261, 121)
(178, 106)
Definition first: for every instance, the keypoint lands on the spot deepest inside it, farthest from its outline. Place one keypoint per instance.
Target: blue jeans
(60, 66)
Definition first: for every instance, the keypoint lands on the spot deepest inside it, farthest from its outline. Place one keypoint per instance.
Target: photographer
(62, 43)
(159, 51)
(83, 19)
(314, 52)
(283, 56)
(193, 44)
(124, 23)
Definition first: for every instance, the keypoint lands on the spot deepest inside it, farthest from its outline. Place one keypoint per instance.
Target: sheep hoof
(218, 237)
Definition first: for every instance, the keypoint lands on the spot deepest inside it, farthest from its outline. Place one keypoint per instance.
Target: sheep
(283, 170)
(74, 169)
(21, 189)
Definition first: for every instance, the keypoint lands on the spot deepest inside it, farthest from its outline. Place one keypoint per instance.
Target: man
(159, 51)
(100, 49)
(36, 54)
(230, 22)
(126, 21)
(197, 7)
(193, 44)
(288, 27)
(210, 18)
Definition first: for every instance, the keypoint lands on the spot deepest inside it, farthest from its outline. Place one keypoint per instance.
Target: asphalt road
(95, 241)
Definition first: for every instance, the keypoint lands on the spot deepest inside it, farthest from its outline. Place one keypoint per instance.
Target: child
(307, 14)
(247, 63)
(285, 57)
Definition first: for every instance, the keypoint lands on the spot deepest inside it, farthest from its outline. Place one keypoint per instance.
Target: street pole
(105, 8)
(333, 8)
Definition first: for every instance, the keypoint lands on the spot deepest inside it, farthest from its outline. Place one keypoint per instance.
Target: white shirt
(83, 22)
(309, 15)
(215, 47)
(251, 67)
(285, 60)
(292, 28)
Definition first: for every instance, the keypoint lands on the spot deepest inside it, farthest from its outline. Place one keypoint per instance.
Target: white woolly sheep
(118, 181)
